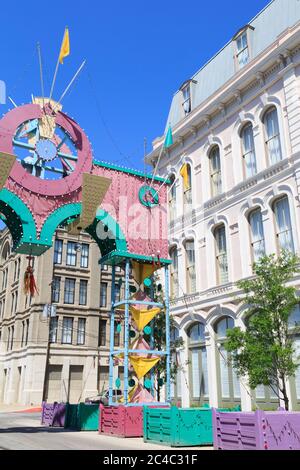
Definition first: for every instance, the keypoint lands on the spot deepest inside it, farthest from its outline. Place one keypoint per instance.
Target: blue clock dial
(46, 150)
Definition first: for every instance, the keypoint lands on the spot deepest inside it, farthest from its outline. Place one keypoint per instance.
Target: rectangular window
(12, 337)
(27, 332)
(190, 267)
(116, 335)
(257, 235)
(249, 151)
(284, 225)
(103, 294)
(102, 332)
(242, 50)
(186, 102)
(67, 330)
(84, 259)
(53, 329)
(16, 301)
(104, 267)
(8, 339)
(71, 254)
(81, 331)
(172, 198)
(174, 274)
(55, 289)
(58, 250)
(215, 171)
(12, 303)
(224, 373)
(195, 374)
(117, 293)
(83, 292)
(221, 255)
(69, 293)
(23, 330)
(273, 136)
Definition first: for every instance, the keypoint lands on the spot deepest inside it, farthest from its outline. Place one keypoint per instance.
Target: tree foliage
(264, 353)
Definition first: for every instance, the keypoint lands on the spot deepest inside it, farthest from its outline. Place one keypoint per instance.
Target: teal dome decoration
(147, 383)
(147, 330)
(118, 382)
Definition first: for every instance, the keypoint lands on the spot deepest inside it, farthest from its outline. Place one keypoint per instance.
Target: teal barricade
(179, 426)
(82, 417)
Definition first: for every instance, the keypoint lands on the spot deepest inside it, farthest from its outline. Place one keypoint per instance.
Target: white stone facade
(269, 82)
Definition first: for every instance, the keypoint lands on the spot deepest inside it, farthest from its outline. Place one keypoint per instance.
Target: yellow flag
(65, 46)
(185, 176)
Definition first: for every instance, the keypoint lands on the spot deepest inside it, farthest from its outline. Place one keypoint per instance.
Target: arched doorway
(228, 382)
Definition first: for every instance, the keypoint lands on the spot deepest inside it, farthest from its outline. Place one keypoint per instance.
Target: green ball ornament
(147, 330)
(147, 383)
(160, 382)
(132, 333)
(131, 383)
(147, 282)
(119, 328)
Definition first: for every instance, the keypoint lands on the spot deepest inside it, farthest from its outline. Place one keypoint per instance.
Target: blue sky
(138, 54)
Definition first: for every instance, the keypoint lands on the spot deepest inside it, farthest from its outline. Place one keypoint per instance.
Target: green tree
(159, 338)
(264, 353)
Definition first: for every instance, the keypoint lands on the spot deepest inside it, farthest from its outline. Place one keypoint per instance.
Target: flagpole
(41, 72)
(56, 68)
(74, 78)
(54, 78)
(167, 143)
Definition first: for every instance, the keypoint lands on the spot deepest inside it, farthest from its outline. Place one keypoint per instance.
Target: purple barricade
(259, 430)
(53, 414)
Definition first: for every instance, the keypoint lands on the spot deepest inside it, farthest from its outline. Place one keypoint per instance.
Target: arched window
(198, 364)
(228, 380)
(176, 361)
(186, 174)
(172, 198)
(257, 234)
(248, 150)
(5, 251)
(221, 254)
(283, 224)
(190, 267)
(174, 273)
(215, 171)
(272, 135)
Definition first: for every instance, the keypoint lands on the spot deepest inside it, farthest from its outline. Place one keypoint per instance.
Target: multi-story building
(235, 171)
(73, 364)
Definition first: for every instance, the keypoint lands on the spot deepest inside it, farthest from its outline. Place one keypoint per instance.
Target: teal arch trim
(56, 218)
(108, 236)
(18, 218)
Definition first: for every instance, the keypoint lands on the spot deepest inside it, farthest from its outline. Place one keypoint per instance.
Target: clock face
(46, 150)
(52, 150)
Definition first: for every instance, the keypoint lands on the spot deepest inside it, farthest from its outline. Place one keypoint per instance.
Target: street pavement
(23, 431)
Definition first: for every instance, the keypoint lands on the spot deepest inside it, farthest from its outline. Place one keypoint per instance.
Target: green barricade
(82, 417)
(88, 416)
(179, 426)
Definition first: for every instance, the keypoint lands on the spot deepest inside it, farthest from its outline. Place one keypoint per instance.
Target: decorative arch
(217, 313)
(187, 321)
(18, 218)
(111, 239)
